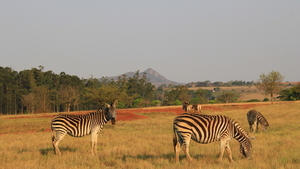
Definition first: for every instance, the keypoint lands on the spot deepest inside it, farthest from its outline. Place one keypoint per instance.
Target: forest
(38, 91)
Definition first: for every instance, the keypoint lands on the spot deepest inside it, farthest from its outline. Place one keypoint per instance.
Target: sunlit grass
(147, 143)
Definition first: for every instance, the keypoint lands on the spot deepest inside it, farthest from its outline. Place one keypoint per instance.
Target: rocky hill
(155, 78)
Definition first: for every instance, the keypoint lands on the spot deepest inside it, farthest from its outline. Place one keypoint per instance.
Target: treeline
(208, 83)
(38, 91)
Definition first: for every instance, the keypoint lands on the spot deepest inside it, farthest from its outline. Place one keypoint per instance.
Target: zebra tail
(175, 138)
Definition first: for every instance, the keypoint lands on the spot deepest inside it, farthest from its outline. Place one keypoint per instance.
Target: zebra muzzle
(113, 121)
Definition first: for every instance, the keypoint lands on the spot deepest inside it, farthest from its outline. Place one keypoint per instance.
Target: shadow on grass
(169, 156)
(46, 151)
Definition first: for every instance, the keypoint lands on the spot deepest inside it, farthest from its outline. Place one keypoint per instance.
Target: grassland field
(142, 138)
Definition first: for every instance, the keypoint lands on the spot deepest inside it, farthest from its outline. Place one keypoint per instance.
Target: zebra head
(264, 124)
(185, 105)
(111, 111)
(245, 148)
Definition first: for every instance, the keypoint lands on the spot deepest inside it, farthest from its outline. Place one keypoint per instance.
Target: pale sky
(185, 41)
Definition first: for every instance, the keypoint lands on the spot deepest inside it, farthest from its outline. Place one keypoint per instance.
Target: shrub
(253, 100)
(177, 102)
(266, 100)
(155, 103)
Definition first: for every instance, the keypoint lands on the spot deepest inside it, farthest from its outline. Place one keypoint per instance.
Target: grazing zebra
(207, 129)
(81, 125)
(254, 117)
(186, 106)
(197, 107)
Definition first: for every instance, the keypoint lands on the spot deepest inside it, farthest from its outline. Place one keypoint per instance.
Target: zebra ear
(115, 103)
(107, 105)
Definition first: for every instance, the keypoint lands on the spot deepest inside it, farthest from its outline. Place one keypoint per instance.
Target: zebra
(254, 117)
(82, 125)
(186, 107)
(197, 107)
(206, 129)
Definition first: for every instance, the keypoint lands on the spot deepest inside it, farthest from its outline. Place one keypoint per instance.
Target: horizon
(145, 71)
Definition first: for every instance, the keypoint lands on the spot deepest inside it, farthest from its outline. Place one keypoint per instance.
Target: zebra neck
(239, 134)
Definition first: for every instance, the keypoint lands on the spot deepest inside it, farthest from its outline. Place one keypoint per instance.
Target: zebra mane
(238, 128)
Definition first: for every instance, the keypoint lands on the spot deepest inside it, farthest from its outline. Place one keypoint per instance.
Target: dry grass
(147, 143)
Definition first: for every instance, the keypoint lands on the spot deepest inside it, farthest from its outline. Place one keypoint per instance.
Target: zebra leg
(254, 127)
(94, 137)
(228, 150)
(55, 141)
(185, 148)
(176, 148)
(250, 128)
(225, 145)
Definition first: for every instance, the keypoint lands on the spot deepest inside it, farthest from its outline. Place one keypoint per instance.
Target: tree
(69, 95)
(180, 93)
(270, 84)
(227, 97)
(42, 98)
(290, 94)
(29, 102)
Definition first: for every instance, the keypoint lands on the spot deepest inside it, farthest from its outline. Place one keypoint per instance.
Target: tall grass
(147, 143)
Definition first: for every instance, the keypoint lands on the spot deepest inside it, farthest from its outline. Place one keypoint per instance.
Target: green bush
(253, 100)
(155, 103)
(177, 102)
(266, 100)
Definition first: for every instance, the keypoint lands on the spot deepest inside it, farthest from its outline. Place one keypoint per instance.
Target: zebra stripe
(207, 129)
(82, 125)
(254, 117)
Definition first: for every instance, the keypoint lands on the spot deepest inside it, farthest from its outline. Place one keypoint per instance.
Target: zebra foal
(254, 117)
(82, 125)
(206, 129)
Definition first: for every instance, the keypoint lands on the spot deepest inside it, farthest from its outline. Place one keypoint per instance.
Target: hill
(155, 78)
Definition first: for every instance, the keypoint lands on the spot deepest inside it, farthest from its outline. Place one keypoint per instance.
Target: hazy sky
(185, 41)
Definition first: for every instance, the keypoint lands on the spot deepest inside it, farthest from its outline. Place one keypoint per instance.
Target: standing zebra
(207, 129)
(254, 117)
(81, 125)
(186, 106)
(197, 107)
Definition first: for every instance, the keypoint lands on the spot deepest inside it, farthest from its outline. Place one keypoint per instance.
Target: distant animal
(254, 117)
(197, 107)
(207, 129)
(186, 106)
(81, 125)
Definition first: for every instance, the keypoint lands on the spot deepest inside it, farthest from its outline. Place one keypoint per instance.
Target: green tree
(290, 94)
(270, 84)
(180, 93)
(227, 97)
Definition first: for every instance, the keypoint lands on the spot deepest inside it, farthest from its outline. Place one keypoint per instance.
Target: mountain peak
(151, 71)
(154, 77)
